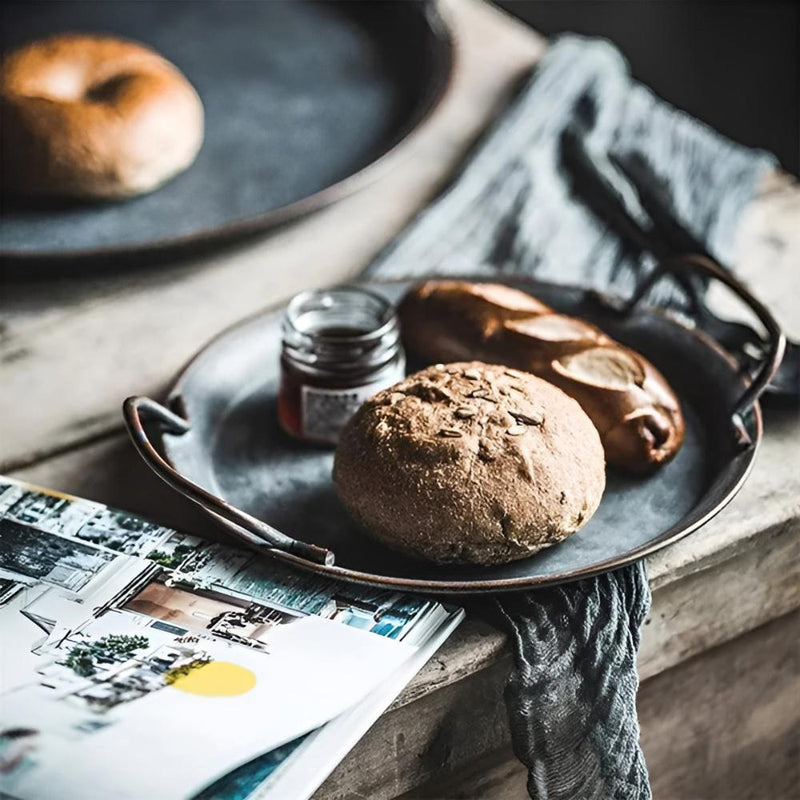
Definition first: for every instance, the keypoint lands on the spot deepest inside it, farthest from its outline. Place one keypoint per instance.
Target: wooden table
(719, 661)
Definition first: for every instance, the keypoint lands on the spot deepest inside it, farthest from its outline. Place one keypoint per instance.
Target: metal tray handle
(264, 535)
(776, 341)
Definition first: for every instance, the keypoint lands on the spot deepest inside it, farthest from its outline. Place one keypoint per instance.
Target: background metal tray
(301, 99)
(232, 447)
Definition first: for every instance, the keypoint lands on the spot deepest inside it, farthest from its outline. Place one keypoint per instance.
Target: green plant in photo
(84, 658)
(185, 669)
(173, 559)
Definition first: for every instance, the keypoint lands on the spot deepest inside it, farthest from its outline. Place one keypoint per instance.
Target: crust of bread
(470, 462)
(94, 117)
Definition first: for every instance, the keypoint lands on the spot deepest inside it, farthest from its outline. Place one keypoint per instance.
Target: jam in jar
(340, 346)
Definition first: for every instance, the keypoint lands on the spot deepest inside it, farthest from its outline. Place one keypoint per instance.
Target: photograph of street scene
(102, 672)
(81, 519)
(27, 552)
(386, 613)
(211, 612)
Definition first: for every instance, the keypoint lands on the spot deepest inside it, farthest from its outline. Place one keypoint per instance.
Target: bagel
(94, 117)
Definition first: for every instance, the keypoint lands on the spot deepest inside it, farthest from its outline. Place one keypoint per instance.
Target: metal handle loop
(264, 535)
(776, 340)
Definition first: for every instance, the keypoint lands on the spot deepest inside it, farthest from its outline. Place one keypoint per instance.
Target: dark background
(733, 64)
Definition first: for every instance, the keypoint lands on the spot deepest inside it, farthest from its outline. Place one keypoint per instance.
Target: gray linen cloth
(512, 210)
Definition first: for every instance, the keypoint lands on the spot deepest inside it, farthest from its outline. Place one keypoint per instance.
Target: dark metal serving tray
(224, 450)
(304, 101)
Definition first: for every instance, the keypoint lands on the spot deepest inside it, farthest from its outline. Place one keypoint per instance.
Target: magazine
(138, 661)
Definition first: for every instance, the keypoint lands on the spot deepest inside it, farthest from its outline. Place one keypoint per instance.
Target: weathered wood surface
(720, 726)
(71, 350)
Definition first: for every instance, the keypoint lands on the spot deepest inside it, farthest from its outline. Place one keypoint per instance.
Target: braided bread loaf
(630, 403)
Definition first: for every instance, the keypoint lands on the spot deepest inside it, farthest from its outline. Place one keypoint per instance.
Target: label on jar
(325, 411)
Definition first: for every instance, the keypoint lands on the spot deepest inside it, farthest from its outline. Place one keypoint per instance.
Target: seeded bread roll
(632, 406)
(470, 463)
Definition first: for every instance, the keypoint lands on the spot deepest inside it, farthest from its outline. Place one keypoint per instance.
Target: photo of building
(49, 558)
(122, 532)
(46, 512)
(237, 570)
(224, 616)
(99, 672)
(81, 519)
(139, 676)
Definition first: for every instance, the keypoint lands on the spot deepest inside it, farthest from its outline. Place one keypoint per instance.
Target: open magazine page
(126, 643)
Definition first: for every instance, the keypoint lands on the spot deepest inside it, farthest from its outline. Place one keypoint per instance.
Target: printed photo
(213, 613)
(82, 519)
(53, 559)
(46, 512)
(103, 673)
(122, 532)
(174, 550)
(379, 611)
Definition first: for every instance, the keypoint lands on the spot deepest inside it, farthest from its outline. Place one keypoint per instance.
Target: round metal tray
(228, 453)
(304, 101)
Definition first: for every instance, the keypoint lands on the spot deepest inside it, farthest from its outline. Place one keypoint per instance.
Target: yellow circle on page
(216, 679)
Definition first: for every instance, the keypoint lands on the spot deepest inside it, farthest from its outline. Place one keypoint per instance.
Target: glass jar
(340, 346)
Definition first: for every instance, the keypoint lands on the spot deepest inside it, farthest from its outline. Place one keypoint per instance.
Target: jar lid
(340, 329)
